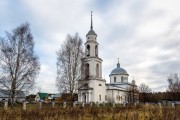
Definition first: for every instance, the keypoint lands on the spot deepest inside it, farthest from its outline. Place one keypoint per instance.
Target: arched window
(122, 79)
(96, 51)
(97, 70)
(114, 79)
(88, 50)
(87, 71)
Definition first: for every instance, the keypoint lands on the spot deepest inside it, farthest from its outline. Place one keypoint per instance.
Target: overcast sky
(143, 34)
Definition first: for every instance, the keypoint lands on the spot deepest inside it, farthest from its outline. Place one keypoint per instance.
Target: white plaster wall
(113, 94)
(98, 90)
(118, 78)
(92, 67)
(91, 37)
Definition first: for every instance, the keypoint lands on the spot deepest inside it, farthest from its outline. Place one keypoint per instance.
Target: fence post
(113, 104)
(135, 104)
(40, 105)
(104, 104)
(53, 104)
(5, 105)
(173, 105)
(64, 104)
(24, 105)
(97, 103)
(90, 104)
(124, 104)
(160, 105)
(82, 104)
(74, 104)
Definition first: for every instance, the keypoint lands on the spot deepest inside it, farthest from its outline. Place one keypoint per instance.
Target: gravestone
(104, 104)
(82, 104)
(24, 105)
(135, 104)
(159, 105)
(40, 105)
(97, 104)
(64, 104)
(173, 105)
(91, 104)
(53, 104)
(74, 104)
(124, 104)
(113, 104)
(5, 105)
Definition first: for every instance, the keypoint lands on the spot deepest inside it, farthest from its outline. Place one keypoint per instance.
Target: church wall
(91, 38)
(98, 90)
(116, 96)
(92, 66)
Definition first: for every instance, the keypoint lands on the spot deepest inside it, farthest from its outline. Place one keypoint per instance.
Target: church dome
(118, 71)
(91, 32)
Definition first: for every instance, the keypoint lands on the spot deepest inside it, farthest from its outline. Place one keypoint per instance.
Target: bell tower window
(96, 51)
(97, 70)
(88, 51)
(87, 71)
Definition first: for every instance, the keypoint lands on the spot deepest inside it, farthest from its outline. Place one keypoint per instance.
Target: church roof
(91, 32)
(118, 71)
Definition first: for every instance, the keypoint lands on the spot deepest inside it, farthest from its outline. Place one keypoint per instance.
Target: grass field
(130, 112)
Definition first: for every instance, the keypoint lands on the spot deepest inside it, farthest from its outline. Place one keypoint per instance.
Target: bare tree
(19, 66)
(174, 86)
(69, 64)
(143, 90)
(132, 93)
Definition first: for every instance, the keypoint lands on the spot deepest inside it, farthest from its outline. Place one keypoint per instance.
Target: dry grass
(140, 112)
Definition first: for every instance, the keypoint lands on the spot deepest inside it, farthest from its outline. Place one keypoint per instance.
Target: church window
(99, 97)
(117, 97)
(87, 70)
(125, 98)
(96, 51)
(114, 79)
(100, 85)
(122, 79)
(85, 85)
(106, 97)
(97, 70)
(88, 50)
(88, 37)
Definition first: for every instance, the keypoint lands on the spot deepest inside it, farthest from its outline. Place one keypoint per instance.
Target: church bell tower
(91, 58)
(94, 89)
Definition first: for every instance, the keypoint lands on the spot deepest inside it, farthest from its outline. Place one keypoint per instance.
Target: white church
(93, 88)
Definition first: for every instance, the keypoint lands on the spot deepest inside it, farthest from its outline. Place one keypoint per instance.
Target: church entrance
(84, 98)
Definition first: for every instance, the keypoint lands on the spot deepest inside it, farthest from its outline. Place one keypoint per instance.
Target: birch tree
(69, 64)
(19, 65)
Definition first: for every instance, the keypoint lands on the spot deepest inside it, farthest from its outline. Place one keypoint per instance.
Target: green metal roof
(42, 95)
